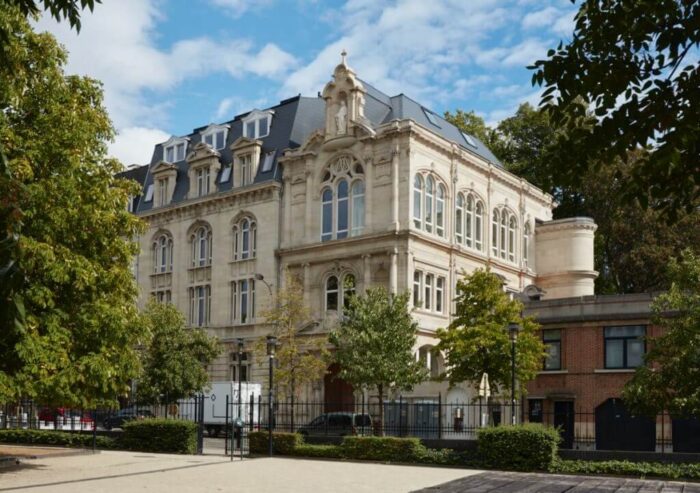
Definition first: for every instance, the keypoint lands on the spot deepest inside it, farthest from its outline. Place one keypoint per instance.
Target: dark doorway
(564, 420)
(617, 429)
(686, 435)
(337, 392)
(534, 412)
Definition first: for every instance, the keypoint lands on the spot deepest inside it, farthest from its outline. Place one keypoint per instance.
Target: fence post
(251, 406)
(94, 430)
(439, 415)
(363, 413)
(226, 430)
(200, 427)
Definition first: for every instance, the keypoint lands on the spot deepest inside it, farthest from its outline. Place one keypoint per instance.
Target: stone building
(346, 190)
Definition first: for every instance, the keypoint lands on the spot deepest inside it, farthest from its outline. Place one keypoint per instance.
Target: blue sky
(170, 66)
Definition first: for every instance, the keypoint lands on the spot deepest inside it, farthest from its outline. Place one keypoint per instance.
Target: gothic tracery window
(429, 196)
(342, 200)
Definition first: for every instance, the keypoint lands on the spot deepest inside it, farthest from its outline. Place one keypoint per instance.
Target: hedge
(282, 443)
(529, 447)
(61, 438)
(387, 449)
(318, 451)
(160, 435)
(627, 468)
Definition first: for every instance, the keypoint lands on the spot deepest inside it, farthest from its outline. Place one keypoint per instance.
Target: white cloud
(134, 145)
(540, 18)
(236, 8)
(235, 105)
(117, 45)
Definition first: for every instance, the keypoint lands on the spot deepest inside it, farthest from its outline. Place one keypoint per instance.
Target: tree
(670, 378)
(374, 344)
(76, 347)
(477, 341)
(175, 358)
(635, 65)
(301, 358)
(471, 123)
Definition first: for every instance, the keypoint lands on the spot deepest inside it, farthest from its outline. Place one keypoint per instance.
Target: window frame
(625, 340)
(551, 341)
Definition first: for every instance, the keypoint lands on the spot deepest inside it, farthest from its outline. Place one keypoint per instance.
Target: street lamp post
(271, 343)
(513, 329)
(240, 364)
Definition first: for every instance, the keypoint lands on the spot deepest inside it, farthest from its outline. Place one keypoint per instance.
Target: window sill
(240, 260)
(614, 370)
(553, 372)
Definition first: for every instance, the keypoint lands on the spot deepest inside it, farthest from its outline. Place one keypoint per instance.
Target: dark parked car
(338, 424)
(122, 416)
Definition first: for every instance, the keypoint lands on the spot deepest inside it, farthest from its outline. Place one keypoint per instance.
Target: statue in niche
(341, 118)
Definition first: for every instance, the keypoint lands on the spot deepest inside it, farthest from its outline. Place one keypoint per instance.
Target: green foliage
(387, 449)
(472, 124)
(318, 451)
(670, 380)
(75, 249)
(374, 343)
(60, 438)
(529, 447)
(634, 63)
(160, 435)
(626, 468)
(174, 357)
(282, 443)
(477, 341)
(301, 360)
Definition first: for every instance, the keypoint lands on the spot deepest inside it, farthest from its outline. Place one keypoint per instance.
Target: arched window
(358, 207)
(459, 214)
(342, 208)
(163, 253)
(244, 239)
(494, 232)
(417, 201)
(201, 247)
(429, 191)
(526, 244)
(327, 215)
(332, 293)
(348, 289)
(440, 211)
(511, 238)
(502, 238)
(342, 201)
(478, 226)
(469, 222)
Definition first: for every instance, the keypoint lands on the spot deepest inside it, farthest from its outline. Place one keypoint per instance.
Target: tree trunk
(380, 389)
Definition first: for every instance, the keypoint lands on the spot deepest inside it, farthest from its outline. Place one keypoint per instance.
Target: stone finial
(343, 54)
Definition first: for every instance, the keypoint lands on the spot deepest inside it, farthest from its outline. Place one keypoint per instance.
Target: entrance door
(338, 394)
(426, 419)
(564, 420)
(686, 435)
(616, 429)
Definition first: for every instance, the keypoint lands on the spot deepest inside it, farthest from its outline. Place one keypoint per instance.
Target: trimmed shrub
(60, 438)
(627, 468)
(318, 451)
(282, 443)
(529, 447)
(386, 449)
(160, 435)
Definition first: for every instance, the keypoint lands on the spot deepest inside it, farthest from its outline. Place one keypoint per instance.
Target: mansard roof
(294, 120)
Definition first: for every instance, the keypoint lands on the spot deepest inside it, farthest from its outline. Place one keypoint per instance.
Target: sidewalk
(131, 471)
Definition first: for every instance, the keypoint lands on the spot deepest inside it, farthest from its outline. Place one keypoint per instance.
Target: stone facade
(357, 192)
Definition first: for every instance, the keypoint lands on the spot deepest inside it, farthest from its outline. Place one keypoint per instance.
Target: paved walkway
(127, 471)
(550, 483)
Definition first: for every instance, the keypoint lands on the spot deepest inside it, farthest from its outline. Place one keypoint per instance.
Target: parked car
(338, 424)
(125, 415)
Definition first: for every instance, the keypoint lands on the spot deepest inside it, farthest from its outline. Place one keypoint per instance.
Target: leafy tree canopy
(174, 358)
(75, 250)
(670, 379)
(301, 358)
(635, 64)
(471, 123)
(374, 344)
(478, 342)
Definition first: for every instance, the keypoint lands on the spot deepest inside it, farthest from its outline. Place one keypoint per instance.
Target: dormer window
(257, 124)
(215, 136)
(174, 150)
(202, 175)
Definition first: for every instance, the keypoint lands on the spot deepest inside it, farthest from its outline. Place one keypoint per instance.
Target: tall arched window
(511, 238)
(201, 246)
(417, 201)
(478, 226)
(459, 214)
(348, 289)
(429, 191)
(163, 253)
(469, 222)
(526, 244)
(429, 196)
(440, 211)
(502, 238)
(244, 239)
(327, 215)
(332, 293)
(358, 207)
(495, 220)
(342, 200)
